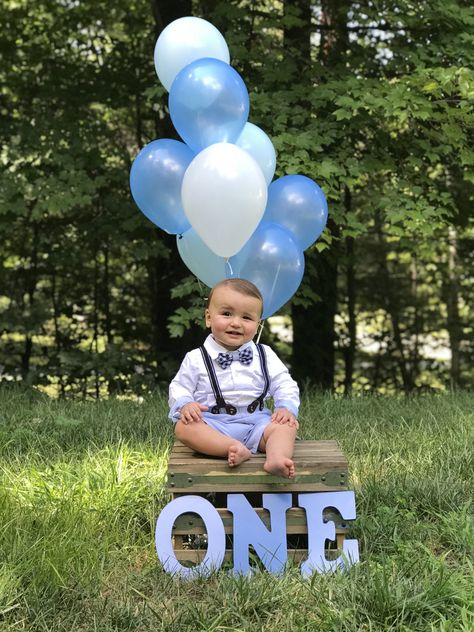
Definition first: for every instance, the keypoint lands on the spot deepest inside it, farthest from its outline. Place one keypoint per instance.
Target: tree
(374, 102)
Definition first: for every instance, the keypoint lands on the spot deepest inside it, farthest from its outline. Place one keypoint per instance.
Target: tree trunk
(349, 352)
(334, 35)
(164, 273)
(107, 311)
(95, 338)
(57, 333)
(417, 321)
(313, 326)
(26, 357)
(392, 308)
(165, 11)
(31, 282)
(452, 303)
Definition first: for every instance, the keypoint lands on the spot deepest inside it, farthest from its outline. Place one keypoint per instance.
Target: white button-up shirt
(240, 384)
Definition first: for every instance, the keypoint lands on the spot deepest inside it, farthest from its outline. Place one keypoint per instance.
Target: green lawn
(82, 485)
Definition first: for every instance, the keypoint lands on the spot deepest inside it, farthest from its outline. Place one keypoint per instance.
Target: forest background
(372, 99)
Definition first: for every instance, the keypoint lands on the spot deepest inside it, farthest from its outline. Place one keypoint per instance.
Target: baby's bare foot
(280, 467)
(237, 454)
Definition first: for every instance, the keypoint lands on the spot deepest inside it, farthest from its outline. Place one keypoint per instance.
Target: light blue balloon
(260, 147)
(298, 204)
(182, 42)
(273, 261)
(208, 103)
(203, 263)
(156, 177)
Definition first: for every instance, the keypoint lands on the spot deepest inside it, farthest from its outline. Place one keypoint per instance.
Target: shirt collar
(214, 348)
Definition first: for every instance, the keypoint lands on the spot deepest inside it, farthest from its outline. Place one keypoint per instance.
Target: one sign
(249, 529)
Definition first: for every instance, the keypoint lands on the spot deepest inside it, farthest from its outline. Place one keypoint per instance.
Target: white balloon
(224, 195)
(182, 42)
(254, 140)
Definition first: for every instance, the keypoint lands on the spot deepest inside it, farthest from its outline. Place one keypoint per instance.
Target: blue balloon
(299, 205)
(273, 261)
(155, 181)
(208, 103)
(259, 146)
(201, 260)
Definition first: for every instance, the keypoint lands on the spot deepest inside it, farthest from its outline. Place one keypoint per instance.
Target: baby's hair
(239, 285)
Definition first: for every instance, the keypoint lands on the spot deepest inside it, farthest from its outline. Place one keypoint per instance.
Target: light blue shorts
(245, 427)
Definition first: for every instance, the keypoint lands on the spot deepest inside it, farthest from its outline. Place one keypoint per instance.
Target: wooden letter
(215, 536)
(318, 531)
(270, 545)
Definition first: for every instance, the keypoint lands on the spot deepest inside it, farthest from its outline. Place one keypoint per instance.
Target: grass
(82, 483)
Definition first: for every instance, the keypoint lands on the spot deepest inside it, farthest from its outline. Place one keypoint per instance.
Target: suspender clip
(258, 403)
(229, 409)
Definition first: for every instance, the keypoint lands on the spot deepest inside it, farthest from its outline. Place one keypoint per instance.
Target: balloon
(273, 261)
(202, 262)
(224, 195)
(208, 103)
(259, 146)
(182, 42)
(155, 181)
(299, 205)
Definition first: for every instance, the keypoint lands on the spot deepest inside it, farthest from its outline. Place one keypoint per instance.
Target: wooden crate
(320, 467)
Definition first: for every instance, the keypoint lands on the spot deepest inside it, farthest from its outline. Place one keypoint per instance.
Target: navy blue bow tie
(224, 360)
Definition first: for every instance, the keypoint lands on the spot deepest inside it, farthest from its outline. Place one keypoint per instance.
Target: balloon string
(262, 323)
(227, 262)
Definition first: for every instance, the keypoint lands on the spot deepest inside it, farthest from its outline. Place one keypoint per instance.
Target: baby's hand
(284, 416)
(192, 412)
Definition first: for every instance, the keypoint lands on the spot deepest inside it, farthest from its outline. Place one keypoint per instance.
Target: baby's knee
(180, 430)
(283, 431)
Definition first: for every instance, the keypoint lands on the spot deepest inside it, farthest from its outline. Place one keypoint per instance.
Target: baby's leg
(278, 442)
(202, 438)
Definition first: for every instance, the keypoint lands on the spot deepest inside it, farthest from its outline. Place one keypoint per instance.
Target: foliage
(376, 107)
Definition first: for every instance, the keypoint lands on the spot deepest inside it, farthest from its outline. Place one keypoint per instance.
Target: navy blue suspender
(263, 364)
(220, 402)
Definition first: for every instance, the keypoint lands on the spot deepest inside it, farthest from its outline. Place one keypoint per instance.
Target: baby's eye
(248, 318)
(226, 313)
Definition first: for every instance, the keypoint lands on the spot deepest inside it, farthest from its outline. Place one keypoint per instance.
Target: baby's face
(233, 317)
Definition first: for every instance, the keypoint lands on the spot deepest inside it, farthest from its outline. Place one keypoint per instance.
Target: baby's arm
(191, 412)
(284, 391)
(183, 387)
(284, 416)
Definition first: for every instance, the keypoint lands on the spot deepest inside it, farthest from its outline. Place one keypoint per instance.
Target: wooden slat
(258, 481)
(295, 521)
(301, 447)
(254, 464)
(196, 555)
(188, 523)
(260, 487)
(308, 442)
(294, 555)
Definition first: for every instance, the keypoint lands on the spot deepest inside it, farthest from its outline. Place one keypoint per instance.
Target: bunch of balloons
(215, 190)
